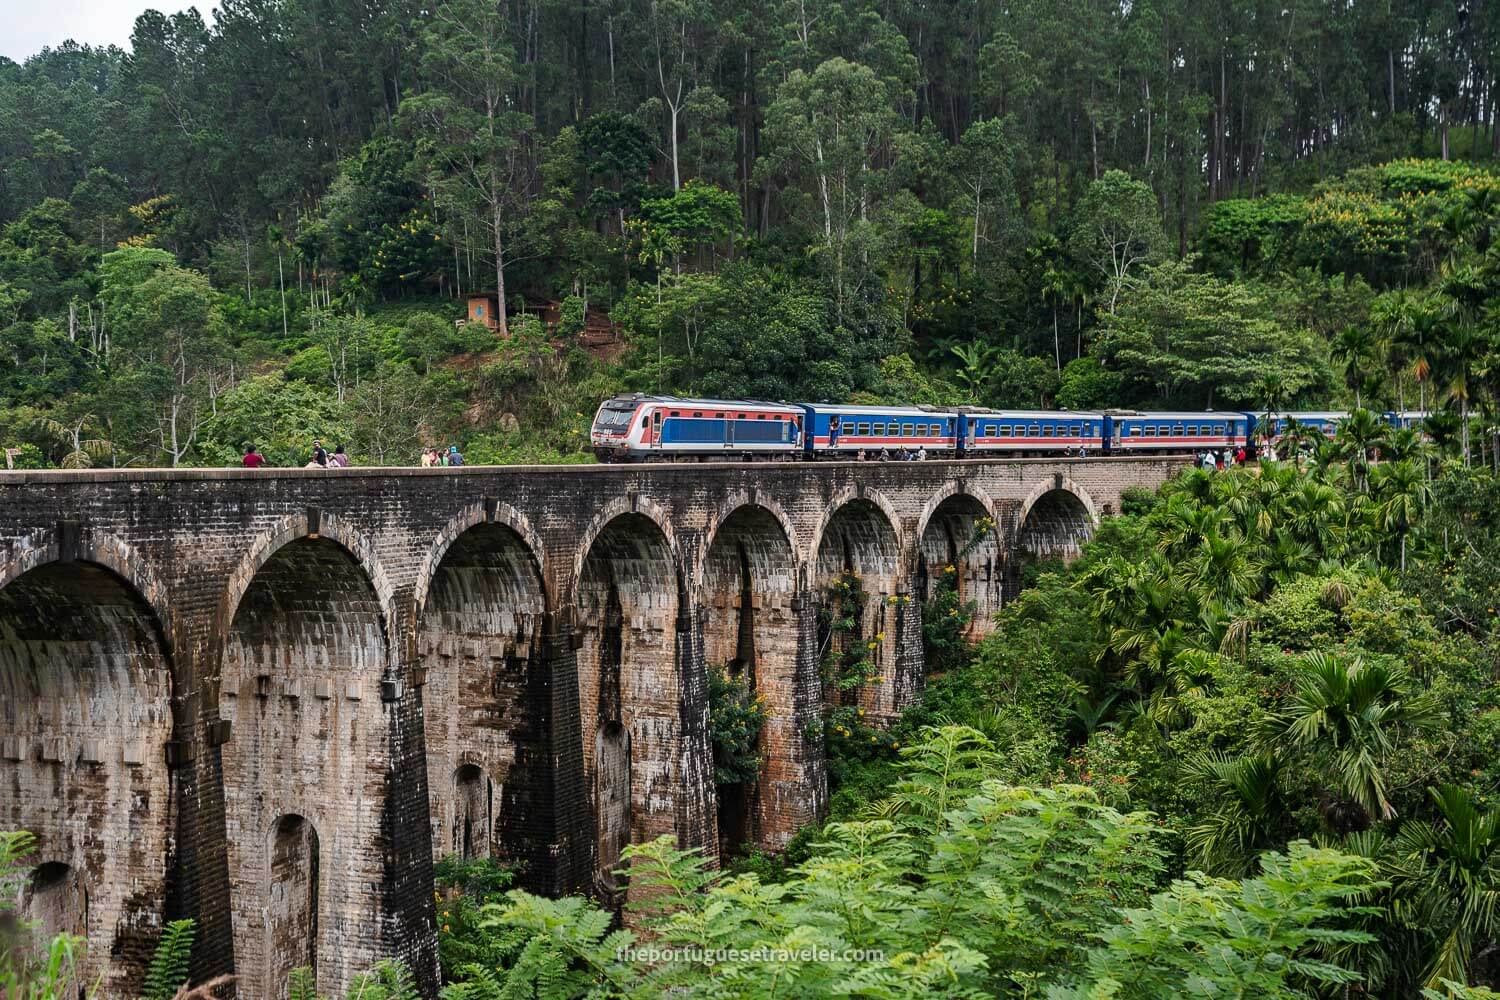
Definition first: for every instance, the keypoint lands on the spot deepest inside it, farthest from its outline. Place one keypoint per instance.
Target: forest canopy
(1013, 204)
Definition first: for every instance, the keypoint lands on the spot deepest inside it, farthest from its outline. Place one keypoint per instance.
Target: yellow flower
(880, 637)
(895, 744)
(447, 929)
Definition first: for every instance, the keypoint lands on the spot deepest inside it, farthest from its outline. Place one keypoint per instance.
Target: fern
(302, 985)
(168, 971)
(386, 980)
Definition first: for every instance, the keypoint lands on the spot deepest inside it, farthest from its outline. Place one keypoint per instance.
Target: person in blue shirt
(454, 457)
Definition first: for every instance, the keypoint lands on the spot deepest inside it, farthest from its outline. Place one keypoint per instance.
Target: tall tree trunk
(499, 257)
(1056, 340)
(281, 283)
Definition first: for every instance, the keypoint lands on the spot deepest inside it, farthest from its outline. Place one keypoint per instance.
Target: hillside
(1015, 204)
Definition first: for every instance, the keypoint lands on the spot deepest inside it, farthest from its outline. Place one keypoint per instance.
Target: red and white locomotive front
(618, 430)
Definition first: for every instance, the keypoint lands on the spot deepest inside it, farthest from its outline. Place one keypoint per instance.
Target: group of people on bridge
(322, 458)
(1222, 458)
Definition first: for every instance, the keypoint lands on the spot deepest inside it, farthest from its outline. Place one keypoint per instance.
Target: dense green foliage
(258, 230)
(959, 885)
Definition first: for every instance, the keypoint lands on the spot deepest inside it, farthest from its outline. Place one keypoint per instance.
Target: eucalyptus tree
(476, 143)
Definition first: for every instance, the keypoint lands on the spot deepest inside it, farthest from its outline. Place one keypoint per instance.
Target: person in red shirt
(253, 459)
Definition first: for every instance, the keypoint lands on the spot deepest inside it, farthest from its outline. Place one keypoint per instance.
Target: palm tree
(1442, 429)
(974, 374)
(1185, 523)
(1224, 568)
(1394, 314)
(1272, 391)
(1288, 557)
(1353, 713)
(81, 450)
(1081, 295)
(1297, 437)
(1404, 494)
(1445, 881)
(1403, 445)
(1358, 435)
(1249, 805)
(1461, 351)
(1055, 287)
(1352, 348)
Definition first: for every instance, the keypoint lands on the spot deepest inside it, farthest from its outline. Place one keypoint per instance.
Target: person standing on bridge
(253, 458)
(454, 456)
(320, 457)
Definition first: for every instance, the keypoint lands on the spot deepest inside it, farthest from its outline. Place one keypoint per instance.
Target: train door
(656, 428)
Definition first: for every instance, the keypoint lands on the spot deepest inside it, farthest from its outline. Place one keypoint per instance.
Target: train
(646, 428)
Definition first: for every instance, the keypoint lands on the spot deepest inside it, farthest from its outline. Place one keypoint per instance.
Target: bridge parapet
(359, 669)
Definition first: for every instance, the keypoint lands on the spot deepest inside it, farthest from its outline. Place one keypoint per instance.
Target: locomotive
(645, 428)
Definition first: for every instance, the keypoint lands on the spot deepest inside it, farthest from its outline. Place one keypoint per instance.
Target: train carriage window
(863, 429)
(1177, 431)
(1150, 430)
(1074, 430)
(1218, 428)
(1005, 430)
(1046, 430)
(697, 413)
(1192, 430)
(906, 430)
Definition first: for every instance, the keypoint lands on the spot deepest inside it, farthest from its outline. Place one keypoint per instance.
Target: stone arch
(313, 525)
(1066, 484)
(731, 506)
(471, 516)
(949, 535)
(746, 598)
(1055, 521)
(631, 639)
(85, 719)
(643, 507)
(293, 911)
(114, 554)
(481, 612)
(305, 649)
(473, 812)
(859, 543)
(835, 505)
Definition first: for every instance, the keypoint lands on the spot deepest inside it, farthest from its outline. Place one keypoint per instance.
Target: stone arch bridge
(269, 699)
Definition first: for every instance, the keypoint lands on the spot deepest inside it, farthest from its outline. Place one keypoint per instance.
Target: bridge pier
(268, 700)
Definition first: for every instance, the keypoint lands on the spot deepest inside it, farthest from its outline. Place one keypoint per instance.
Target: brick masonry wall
(368, 595)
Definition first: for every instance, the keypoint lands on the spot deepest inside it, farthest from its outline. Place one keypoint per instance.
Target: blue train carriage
(1325, 422)
(1133, 432)
(1406, 419)
(641, 428)
(843, 431)
(992, 432)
